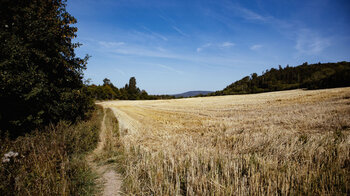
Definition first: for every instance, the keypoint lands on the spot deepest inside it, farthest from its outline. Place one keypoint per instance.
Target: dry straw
(289, 142)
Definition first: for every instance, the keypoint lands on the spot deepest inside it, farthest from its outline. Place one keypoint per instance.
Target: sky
(182, 45)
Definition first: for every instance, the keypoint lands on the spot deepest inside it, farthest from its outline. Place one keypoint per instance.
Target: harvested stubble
(289, 142)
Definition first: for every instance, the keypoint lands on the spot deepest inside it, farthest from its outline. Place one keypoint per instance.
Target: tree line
(313, 76)
(108, 91)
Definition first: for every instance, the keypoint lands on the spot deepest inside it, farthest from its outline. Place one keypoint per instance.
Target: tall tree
(133, 91)
(40, 75)
(132, 83)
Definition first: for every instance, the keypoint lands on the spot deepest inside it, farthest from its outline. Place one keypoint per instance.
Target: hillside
(314, 76)
(192, 93)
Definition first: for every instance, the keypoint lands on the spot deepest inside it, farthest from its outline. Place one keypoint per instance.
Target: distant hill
(313, 76)
(192, 93)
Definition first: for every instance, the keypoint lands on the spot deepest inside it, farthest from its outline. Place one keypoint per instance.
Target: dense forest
(313, 76)
(108, 91)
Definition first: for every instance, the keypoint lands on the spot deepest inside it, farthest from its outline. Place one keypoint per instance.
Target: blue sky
(177, 46)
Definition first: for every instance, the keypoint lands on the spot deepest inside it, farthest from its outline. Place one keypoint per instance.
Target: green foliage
(315, 76)
(133, 91)
(130, 91)
(40, 76)
(51, 162)
(144, 95)
(105, 92)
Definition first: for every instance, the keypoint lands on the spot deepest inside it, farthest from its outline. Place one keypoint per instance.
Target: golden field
(288, 142)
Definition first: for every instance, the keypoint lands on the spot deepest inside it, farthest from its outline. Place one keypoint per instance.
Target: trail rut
(109, 179)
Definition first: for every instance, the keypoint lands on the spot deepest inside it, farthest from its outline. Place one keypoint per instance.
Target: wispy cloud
(215, 46)
(179, 31)
(256, 47)
(155, 34)
(133, 50)
(234, 8)
(121, 72)
(310, 43)
(231, 10)
(161, 49)
(140, 51)
(173, 25)
(307, 41)
(227, 44)
(110, 44)
(169, 68)
(167, 19)
(251, 15)
(199, 49)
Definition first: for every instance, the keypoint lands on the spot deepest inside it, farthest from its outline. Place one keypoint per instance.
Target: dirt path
(108, 177)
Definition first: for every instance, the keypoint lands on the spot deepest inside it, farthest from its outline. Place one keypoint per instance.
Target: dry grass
(110, 148)
(108, 151)
(51, 162)
(290, 142)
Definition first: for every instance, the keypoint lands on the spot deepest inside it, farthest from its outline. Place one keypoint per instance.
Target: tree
(132, 90)
(132, 83)
(108, 92)
(40, 75)
(106, 81)
(144, 95)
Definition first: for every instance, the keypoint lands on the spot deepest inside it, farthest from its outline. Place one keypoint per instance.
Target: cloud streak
(179, 31)
(130, 50)
(199, 49)
(256, 47)
(169, 68)
(215, 45)
(250, 15)
(110, 44)
(227, 44)
(121, 72)
(307, 41)
(310, 43)
(155, 34)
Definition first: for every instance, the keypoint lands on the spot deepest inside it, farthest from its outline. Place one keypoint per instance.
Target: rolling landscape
(126, 118)
(290, 143)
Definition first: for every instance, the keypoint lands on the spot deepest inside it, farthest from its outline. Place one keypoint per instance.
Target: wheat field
(288, 142)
